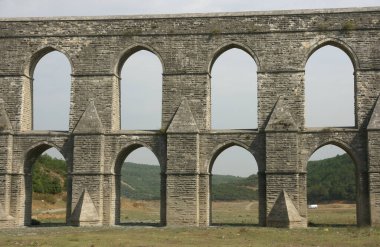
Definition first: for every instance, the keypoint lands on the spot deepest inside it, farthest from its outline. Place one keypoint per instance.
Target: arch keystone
(285, 214)
(374, 122)
(183, 120)
(5, 124)
(281, 119)
(89, 123)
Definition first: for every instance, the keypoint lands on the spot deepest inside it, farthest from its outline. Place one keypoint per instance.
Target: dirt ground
(223, 212)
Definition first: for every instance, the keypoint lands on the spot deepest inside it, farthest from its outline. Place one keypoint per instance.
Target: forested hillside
(331, 179)
(141, 181)
(328, 180)
(49, 175)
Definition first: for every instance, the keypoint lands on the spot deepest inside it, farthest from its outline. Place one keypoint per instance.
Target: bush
(48, 174)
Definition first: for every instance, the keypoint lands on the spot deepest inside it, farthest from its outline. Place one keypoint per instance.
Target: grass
(213, 236)
(49, 208)
(139, 211)
(234, 213)
(337, 214)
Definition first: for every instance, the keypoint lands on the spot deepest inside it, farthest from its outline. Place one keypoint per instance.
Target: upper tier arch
(132, 49)
(336, 43)
(227, 46)
(39, 54)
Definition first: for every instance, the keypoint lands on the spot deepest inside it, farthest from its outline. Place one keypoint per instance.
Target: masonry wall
(187, 45)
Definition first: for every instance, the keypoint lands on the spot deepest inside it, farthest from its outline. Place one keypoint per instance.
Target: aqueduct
(187, 45)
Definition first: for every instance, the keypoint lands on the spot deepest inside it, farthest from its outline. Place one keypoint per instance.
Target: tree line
(330, 179)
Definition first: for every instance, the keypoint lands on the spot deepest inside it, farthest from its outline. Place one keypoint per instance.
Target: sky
(141, 75)
(28, 8)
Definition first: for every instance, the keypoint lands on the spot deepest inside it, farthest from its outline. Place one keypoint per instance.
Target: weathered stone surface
(281, 119)
(89, 122)
(5, 124)
(3, 214)
(85, 213)
(285, 214)
(374, 122)
(95, 147)
(183, 120)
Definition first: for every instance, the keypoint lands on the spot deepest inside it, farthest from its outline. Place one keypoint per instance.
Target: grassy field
(337, 214)
(139, 211)
(235, 213)
(234, 225)
(212, 236)
(49, 208)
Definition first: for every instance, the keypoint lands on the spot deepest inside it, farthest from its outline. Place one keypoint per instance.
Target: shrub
(47, 175)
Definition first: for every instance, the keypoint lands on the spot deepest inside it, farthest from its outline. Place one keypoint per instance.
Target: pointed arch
(39, 54)
(140, 94)
(250, 194)
(30, 158)
(340, 144)
(336, 43)
(234, 86)
(334, 179)
(127, 150)
(222, 147)
(119, 160)
(126, 53)
(35, 150)
(330, 85)
(47, 98)
(228, 46)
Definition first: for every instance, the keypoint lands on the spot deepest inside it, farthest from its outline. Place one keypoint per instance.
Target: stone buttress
(87, 175)
(182, 169)
(6, 148)
(373, 130)
(282, 173)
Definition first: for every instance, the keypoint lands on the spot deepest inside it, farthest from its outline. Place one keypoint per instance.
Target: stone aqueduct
(280, 42)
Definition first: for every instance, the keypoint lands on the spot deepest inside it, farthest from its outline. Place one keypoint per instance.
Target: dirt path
(56, 210)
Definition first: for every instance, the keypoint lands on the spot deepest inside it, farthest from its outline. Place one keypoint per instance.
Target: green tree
(47, 174)
(331, 179)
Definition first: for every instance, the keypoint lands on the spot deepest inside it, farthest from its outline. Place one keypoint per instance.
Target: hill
(328, 180)
(49, 175)
(331, 179)
(140, 181)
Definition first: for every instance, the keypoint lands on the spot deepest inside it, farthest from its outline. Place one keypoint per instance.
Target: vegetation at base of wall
(49, 175)
(331, 179)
